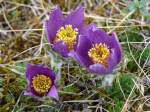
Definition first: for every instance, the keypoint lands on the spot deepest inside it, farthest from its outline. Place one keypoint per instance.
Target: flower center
(99, 53)
(68, 35)
(41, 84)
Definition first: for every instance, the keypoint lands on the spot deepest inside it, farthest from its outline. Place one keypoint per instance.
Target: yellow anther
(67, 34)
(41, 84)
(99, 53)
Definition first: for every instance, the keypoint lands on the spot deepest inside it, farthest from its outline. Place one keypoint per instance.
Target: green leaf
(132, 6)
(71, 88)
(126, 83)
(145, 54)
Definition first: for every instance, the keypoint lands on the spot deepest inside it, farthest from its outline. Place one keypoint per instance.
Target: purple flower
(62, 32)
(41, 81)
(98, 52)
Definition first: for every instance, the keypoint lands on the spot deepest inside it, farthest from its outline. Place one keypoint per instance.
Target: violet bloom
(62, 32)
(98, 52)
(41, 81)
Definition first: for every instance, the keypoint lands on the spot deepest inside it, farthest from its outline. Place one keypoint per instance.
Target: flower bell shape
(41, 81)
(62, 32)
(98, 52)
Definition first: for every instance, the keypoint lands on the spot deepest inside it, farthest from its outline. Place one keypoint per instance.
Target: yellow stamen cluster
(68, 35)
(99, 53)
(41, 84)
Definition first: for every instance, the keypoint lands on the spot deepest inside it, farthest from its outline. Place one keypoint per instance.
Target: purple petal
(71, 53)
(53, 93)
(85, 30)
(113, 57)
(101, 69)
(81, 53)
(115, 45)
(33, 70)
(76, 18)
(98, 69)
(28, 93)
(54, 23)
(61, 48)
(98, 36)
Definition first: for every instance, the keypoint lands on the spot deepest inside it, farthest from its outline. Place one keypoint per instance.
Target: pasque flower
(98, 52)
(41, 81)
(62, 31)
